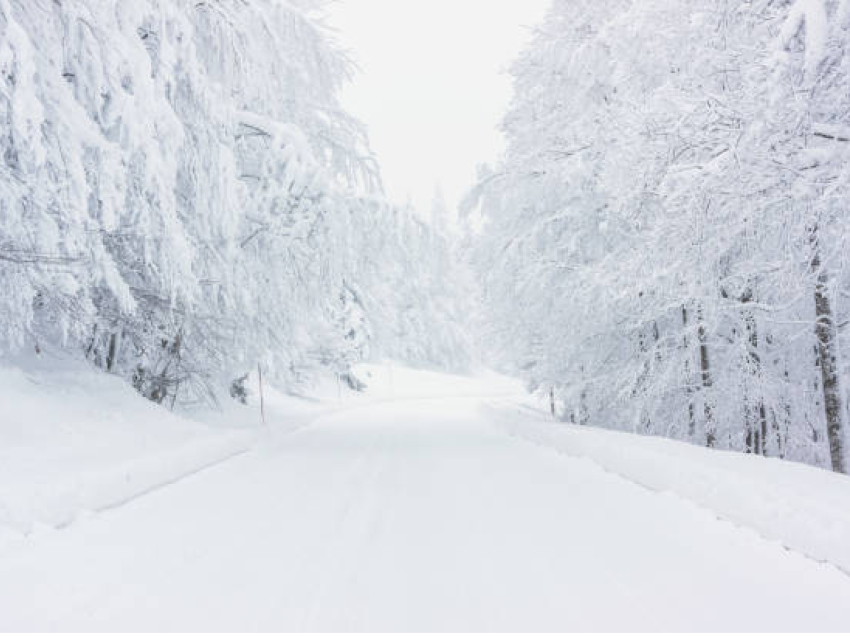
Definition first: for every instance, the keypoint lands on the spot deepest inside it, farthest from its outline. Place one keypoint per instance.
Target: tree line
(182, 196)
(664, 243)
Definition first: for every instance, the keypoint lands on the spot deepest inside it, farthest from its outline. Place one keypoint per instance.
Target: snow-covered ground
(75, 440)
(803, 508)
(408, 508)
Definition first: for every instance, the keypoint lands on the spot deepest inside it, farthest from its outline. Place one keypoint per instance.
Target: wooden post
(552, 400)
(262, 400)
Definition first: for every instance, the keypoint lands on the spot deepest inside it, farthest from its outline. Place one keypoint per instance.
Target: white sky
(432, 86)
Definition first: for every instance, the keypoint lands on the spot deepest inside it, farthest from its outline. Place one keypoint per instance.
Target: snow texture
(74, 441)
(801, 507)
(413, 512)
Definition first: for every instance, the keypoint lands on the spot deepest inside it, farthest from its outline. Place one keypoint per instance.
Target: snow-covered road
(415, 514)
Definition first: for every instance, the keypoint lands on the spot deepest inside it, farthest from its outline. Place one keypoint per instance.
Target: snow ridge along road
(412, 514)
(802, 507)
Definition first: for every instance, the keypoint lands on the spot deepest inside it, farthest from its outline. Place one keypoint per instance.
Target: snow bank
(73, 439)
(803, 508)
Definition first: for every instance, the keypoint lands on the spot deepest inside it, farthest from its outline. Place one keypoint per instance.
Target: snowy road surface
(411, 515)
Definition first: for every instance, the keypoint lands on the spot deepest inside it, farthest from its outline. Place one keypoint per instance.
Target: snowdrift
(805, 509)
(74, 439)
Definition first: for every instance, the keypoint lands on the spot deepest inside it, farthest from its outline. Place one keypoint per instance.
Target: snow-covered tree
(182, 196)
(663, 242)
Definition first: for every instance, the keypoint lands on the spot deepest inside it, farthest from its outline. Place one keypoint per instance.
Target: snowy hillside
(74, 440)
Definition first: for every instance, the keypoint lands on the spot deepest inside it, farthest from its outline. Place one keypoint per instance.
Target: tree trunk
(640, 389)
(584, 414)
(112, 352)
(552, 400)
(757, 425)
(707, 382)
(827, 348)
(692, 420)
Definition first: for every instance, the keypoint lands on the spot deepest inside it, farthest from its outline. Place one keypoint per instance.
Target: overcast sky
(432, 86)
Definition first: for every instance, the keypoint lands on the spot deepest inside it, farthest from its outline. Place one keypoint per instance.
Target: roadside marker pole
(262, 400)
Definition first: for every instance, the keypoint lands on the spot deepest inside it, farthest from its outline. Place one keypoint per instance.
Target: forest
(661, 249)
(181, 200)
(665, 246)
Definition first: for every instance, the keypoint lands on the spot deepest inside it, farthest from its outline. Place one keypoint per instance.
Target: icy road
(415, 514)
